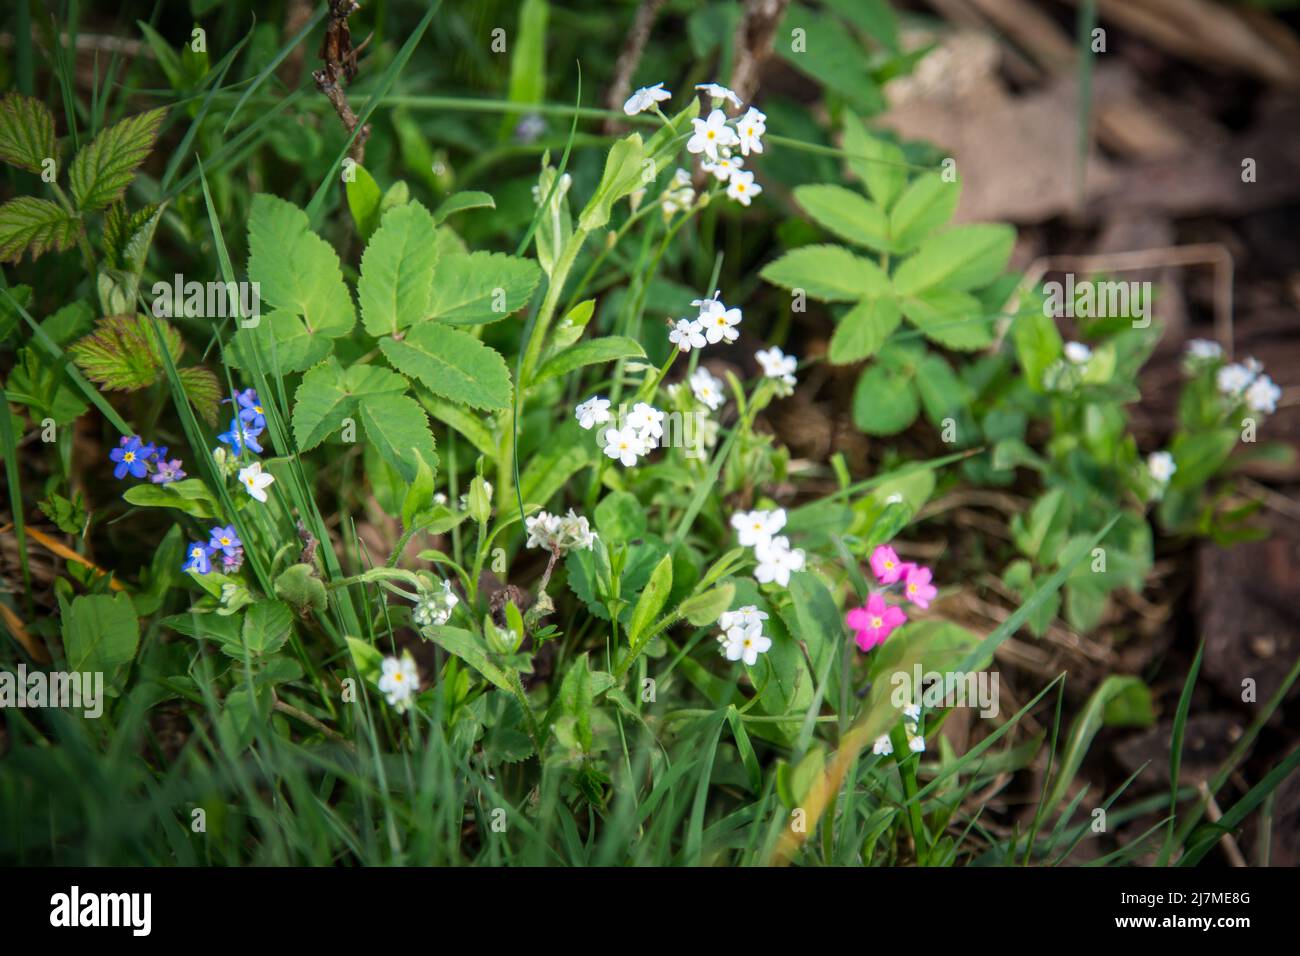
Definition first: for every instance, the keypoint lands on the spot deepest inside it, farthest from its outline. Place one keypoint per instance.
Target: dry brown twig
(753, 43)
(340, 59)
(628, 59)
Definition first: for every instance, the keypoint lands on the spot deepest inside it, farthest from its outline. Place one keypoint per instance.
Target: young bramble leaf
(36, 223)
(203, 390)
(481, 287)
(828, 273)
(452, 364)
(27, 133)
(100, 173)
(296, 269)
(122, 353)
(395, 287)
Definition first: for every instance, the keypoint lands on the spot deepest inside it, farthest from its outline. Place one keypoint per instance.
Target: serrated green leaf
(864, 329)
(395, 287)
(398, 428)
(328, 395)
(37, 224)
(964, 257)
(452, 364)
(100, 633)
(828, 273)
(953, 319)
(481, 287)
(266, 627)
(27, 133)
(297, 270)
(877, 162)
(608, 348)
(100, 173)
(924, 206)
(280, 340)
(846, 213)
(885, 401)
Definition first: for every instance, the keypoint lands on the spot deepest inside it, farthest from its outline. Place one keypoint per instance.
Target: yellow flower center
(889, 565)
(740, 187)
(197, 552)
(399, 677)
(129, 457)
(225, 541)
(877, 622)
(911, 589)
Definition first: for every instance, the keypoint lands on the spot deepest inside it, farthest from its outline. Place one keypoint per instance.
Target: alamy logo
(72, 690)
(931, 689)
(208, 300)
(1098, 300)
(134, 910)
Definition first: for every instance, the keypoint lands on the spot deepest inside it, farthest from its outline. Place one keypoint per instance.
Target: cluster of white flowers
(1077, 353)
(1204, 350)
(707, 389)
(776, 559)
(1246, 380)
(915, 742)
(433, 607)
(776, 364)
(678, 196)
(715, 322)
(1161, 466)
(554, 533)
(742, 637)
(399, 681)
(714, 138)
(646, 98)
(638, 434)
